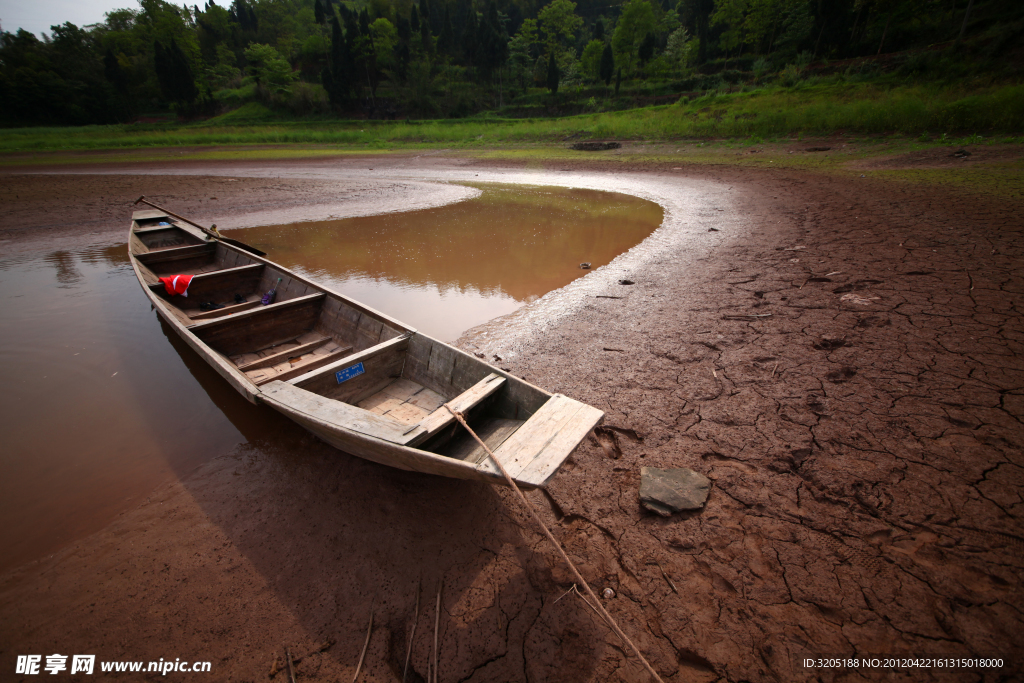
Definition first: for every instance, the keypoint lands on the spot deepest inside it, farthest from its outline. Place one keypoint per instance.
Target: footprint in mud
(873, 321)
(855, 286)
(829, 344)
(841, 375)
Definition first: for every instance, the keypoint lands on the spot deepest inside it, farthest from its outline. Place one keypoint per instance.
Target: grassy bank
(762, 114)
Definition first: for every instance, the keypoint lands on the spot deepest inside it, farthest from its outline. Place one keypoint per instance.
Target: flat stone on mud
(672, 490)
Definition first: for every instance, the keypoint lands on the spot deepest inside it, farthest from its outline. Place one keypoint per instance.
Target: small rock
(673, 490)
(607, 594)
(585, 265)
(594, 146)
(961, 153)
(626, 282)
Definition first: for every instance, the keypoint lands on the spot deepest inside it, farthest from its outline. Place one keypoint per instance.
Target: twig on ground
(366, 644)
(665, 574)
(773, 371)
(744, 316)
(437, 625)
(288, 661)
(415, 620)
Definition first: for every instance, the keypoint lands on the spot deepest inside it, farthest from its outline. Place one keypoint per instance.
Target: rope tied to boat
(547, 532)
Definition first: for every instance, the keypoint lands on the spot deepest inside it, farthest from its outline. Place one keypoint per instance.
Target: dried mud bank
(842, 358)
(45, 209)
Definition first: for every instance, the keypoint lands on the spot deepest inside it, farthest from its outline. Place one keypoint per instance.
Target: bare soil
(863, 434)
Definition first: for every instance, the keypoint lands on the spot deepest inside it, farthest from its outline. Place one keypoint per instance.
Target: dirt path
(863, 434)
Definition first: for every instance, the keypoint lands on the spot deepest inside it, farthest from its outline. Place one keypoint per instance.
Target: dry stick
(665, 574)
(579, 577)
(437, 624)
(412, 635)
(291, 672)
(366, 645)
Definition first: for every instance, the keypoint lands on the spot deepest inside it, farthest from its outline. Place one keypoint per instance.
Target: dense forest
(451, 58)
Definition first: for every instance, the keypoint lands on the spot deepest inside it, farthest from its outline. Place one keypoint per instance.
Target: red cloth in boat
(177, 284)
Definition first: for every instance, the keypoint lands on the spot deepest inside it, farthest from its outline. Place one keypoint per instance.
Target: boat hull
(359, 380)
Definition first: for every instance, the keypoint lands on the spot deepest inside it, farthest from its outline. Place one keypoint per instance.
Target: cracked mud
(845, 365)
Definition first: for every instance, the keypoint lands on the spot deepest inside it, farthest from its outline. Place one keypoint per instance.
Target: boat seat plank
(226, 310)
(224, 273)
(337, 413)
(310, 379)
(177, 253)
(534, 437)
(285, 369)
(268, 310)
(441, 418)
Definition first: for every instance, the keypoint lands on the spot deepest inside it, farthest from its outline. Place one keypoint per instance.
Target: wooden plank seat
(177, 253)
(227, 310)
(218, 279)
(438, 420)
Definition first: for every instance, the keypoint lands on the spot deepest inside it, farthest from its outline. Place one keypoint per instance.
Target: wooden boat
(358, 379)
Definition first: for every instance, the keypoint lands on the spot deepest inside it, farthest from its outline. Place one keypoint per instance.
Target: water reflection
(447, 269)
(97, 408)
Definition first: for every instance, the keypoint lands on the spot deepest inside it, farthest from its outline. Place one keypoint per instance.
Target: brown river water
(104, 401)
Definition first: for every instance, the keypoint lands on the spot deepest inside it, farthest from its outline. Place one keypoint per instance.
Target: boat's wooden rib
(275, 358)
(356, 378)
(307, 363)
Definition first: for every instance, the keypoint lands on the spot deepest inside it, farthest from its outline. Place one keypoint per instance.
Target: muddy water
(448, 269)
(97, 407)
(102, 401)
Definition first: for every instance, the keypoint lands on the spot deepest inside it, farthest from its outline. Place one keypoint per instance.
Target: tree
(730, 15)
(636, 21)
(268, 69)
(591, 59)
(646, 49)
(335, 77)
(175, 74)
(607, 65)
(558, 21)
(553, 75)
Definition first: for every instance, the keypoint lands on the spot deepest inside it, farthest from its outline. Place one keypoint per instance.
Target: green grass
(812, 109)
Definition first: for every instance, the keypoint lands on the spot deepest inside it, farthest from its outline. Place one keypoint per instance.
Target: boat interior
(392, 381)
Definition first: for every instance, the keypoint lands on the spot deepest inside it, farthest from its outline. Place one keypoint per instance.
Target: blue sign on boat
(349, 372)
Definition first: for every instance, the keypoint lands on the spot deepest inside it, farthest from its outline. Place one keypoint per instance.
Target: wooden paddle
(208, 231)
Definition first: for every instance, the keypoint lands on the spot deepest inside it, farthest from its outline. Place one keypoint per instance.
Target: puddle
(446, 270)
(103, 402)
